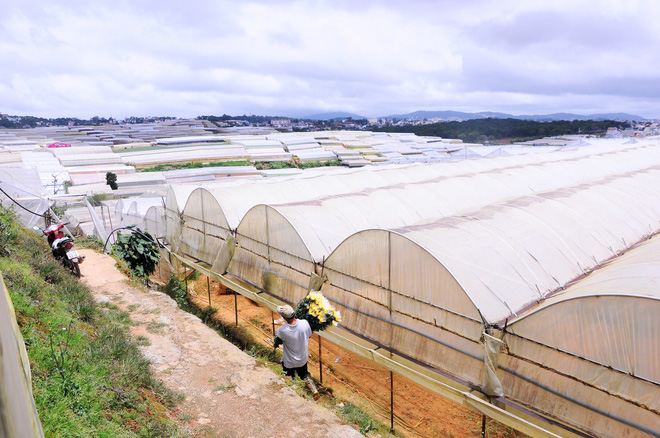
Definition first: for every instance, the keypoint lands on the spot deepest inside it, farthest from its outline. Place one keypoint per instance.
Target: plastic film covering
(18, 413)
(392, 291)
(154, 222)
(508, 256)
(23, 186)
(175, 200)
(421, 259)
(272, 255)
(604, 331)
(99, 226)
(133, 211)
(204, 227)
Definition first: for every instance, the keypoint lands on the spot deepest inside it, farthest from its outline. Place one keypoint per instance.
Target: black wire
(134, 230)
(24, 208)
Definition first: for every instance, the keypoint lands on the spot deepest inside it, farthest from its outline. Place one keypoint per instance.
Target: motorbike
(62, 247)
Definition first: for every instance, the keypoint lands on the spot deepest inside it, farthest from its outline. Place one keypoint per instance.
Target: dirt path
(227, 393)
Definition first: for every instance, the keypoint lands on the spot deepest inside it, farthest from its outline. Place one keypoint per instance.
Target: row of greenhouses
(532, 279)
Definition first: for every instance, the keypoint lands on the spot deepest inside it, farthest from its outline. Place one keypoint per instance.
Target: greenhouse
(528, 281)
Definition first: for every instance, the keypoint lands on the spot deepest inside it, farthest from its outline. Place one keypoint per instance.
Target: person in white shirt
(294, 336)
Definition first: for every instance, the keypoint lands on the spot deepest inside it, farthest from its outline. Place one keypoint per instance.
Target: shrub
(139, 250)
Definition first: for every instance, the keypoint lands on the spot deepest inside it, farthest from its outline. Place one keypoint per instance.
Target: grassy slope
(88, 377)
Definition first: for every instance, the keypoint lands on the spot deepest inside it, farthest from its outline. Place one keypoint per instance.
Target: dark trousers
(301, 371)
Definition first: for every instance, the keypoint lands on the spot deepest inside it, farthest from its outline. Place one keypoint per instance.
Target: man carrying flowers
(294, 336)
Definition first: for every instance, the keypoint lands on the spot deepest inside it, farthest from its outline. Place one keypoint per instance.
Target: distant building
(280, 123)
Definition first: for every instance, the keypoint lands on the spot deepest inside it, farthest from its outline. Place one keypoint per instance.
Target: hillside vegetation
(88, 376)
(484, 130)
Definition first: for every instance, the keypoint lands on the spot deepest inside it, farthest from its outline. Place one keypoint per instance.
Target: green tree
(111, 180)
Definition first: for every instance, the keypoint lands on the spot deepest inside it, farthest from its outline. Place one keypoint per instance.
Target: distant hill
(333, 116)
(457, 115)
(445, 115)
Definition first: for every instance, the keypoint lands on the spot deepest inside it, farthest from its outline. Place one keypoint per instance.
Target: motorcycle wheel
(75, 268)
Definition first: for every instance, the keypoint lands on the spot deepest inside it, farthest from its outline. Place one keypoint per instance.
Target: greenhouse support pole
(483, 425)
(236, 307)
(513, 418)
(272, 321)
(208, 288)
(320, 361)
(389, 307)
(391, 402)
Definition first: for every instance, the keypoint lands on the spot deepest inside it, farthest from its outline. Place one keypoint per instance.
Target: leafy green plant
(176, 290)
(139, 250)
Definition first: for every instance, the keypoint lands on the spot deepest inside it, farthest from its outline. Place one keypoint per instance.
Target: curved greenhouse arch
(393, 291)
(204, 226)
(272, 255)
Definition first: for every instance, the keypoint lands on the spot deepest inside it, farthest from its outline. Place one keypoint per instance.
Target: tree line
(486, 130)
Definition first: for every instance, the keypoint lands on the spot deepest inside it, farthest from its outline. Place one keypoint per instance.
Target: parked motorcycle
(62, 247)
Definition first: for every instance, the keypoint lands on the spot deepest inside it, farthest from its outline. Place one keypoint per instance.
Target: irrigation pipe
(134, 230)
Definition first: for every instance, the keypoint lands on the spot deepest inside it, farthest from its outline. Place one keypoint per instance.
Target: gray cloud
(142, 57)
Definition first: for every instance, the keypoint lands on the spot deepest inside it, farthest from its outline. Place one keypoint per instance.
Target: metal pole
(208, 287)
(320, 361)
(483, 426)
(391, 402)
(236, 307)
(272, 320)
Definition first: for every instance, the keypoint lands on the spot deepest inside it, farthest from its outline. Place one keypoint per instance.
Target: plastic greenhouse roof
(460, 186)
(616, 304)
(512, 255)
(498, 225)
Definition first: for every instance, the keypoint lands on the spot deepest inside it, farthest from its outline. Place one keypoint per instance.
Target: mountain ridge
(450, 115)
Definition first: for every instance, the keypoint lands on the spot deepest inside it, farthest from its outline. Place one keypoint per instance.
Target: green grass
(364, 422)
(88, 376)
(192, 165)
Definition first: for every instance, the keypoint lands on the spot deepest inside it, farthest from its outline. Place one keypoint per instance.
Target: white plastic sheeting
(23, 186)
(421, 259)
(603, 330)
(17, 408)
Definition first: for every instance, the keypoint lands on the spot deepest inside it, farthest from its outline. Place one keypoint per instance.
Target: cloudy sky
(73, 58)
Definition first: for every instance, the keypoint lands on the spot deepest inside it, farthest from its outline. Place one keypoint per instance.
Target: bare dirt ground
(418, 412)
(229, 394)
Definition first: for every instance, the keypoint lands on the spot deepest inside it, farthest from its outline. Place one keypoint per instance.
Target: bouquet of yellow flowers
(316, 309)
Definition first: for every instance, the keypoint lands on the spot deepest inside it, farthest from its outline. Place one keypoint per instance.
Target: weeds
(59, 352)
(353, 415)
(238, 336)
(223, 387)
